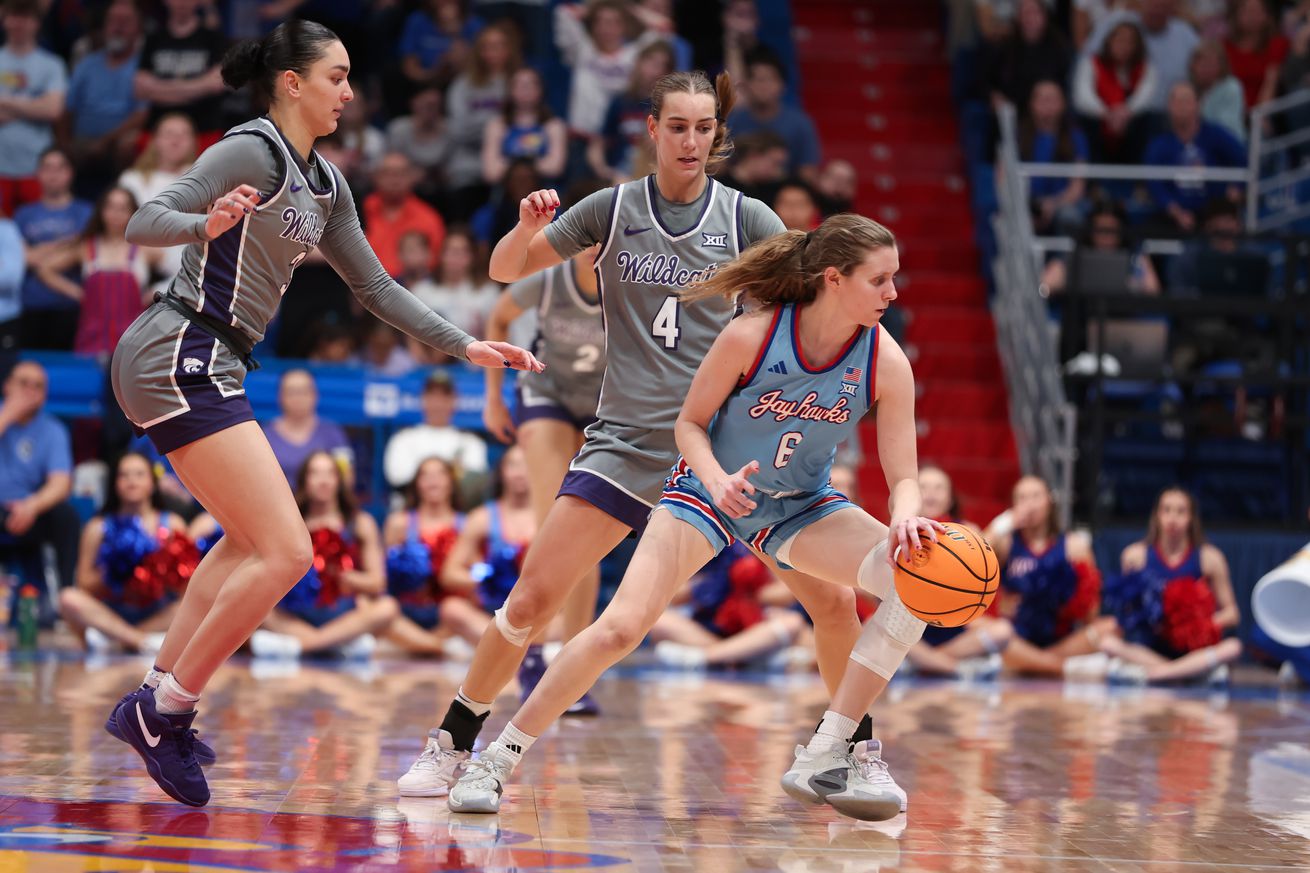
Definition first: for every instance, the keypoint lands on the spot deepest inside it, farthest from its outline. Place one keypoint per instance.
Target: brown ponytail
(789, 267)
(696, 82)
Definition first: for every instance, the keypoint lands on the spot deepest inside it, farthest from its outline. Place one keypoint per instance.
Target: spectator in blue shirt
(32, 86)
(49, 319)
(764, 110)
(1190, 142)
(12, 255)
(36, 476)
(1048, 135)
(435, 43)
(102, 117)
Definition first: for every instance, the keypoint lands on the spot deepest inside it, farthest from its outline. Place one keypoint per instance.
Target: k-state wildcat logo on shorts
(714, 240)
(192, 365)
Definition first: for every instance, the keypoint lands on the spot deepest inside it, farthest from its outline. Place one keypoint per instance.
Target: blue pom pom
(125, 545)
(409, 567)
(304, 594)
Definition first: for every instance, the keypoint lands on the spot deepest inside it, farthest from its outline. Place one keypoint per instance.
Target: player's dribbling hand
(904, 534)
(538, 208)
(502, 356)
(229, 209)
(733, 494)
(496, 419)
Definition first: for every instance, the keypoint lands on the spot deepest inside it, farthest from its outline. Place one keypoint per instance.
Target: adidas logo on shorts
(192, 365)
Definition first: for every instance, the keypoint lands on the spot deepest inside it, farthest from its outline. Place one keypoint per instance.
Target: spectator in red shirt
(393, 210)
(1255, 49)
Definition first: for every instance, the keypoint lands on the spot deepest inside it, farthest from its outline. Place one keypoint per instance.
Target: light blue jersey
(789, 414)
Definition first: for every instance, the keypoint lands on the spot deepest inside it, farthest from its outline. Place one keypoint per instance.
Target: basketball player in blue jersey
(759, 429)
(657, 236)
(250, 209)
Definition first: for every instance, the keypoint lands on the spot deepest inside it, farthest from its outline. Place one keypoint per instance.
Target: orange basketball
(950, 582)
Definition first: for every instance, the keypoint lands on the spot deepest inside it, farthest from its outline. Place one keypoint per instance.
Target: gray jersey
(651, 249)
(570, 334)
(240, 276)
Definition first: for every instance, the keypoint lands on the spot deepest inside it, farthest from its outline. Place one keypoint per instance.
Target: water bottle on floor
(29, 618)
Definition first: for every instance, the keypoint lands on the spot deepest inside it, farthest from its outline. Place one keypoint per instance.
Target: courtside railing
(1278, 167)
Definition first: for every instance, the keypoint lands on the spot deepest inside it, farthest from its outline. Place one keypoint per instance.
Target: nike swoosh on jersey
(295, 187)
(630, 231)
(151, 739)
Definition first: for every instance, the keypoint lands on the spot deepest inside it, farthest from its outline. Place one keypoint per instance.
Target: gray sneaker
(868, 792)
(482, 786)
(814, 775)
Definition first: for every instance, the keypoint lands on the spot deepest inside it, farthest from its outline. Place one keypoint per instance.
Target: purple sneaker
(586, 707)
(531, 671)
(165, 744)
(203, 752)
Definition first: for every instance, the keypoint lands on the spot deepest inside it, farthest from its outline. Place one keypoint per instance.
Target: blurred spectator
(13, 256)
(1087, 15)
(1189, 142)
(741, 29)
(1220, 235)
(1209, 18)
(796, 205)
(325, 610)
(1104, 232)
(32, 86)
(422, 137)
(1220, 93)
(179, 69)
(434, 438)
(498, 215)
(759, 165)
(173, 493)
(115, 274)
(36, 465)
(763, 109)
(1295, 73)
(333, 343)
(836, 187)
(382, 352)
(436, 40)
(657, 16)
(461, 294)
(111, 603)
(1255, 49)
(298, 431)
(597, 42)
(1169, 45)
(358, 136)
(170, 153)
(1035, 50)
(416, 274)
(393, 210)
(530, 21)
(526, 129)
(49, 317)
(1048, 135)
(102, 117)
(475, 97)
(1114, 87)
(624, 133)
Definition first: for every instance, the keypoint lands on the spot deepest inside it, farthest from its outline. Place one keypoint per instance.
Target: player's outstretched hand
(538, 208)
(229, 209)
(502, 356)
(733, 494)
(904, 534)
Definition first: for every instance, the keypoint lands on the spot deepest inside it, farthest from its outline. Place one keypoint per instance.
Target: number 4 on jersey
(665, 325)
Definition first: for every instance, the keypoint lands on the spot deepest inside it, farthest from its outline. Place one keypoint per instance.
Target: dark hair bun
(241, 63)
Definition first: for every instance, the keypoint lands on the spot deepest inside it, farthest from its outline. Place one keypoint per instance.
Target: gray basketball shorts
(621, 470)
(175, 382)
(539, 395)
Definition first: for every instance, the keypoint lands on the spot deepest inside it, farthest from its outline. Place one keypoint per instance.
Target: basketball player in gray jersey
(656, 236)
(251, 208)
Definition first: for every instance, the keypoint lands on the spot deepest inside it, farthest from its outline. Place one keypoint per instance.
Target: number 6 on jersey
(786, 447)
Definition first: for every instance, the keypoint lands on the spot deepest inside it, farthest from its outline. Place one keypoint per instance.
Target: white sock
(476, 707)
(515, 742)
(835, 730)
(171, 698)
(153, 677)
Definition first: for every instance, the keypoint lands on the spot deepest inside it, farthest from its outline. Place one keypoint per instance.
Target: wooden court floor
(680, 773)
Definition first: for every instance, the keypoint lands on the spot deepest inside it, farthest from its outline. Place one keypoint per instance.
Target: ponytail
(293, 45)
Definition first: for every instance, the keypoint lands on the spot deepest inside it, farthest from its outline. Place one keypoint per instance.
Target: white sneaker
(680, 656)
(1287, 675)
(814, 774)
(152, 644)
(97, 643)
(1219, 677)
(266, 644)
(869, 793)
(792, 659)
(1122, 672)
(1087, 668)
(457, 649)
(482, 786)
(983, 669)
(435, 770)
(359, 649)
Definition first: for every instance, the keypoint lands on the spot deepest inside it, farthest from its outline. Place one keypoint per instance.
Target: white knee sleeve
(517, 636)
(887, 637)
(875, 574)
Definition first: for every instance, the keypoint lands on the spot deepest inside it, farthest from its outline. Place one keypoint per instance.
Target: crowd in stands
(461, 108)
